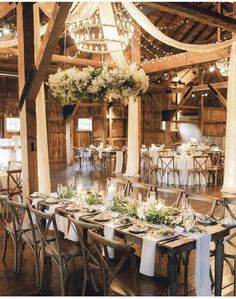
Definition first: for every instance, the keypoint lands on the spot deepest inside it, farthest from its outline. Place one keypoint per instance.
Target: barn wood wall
(151, 122)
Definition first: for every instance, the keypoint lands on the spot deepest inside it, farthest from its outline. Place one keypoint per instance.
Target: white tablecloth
(3, 180)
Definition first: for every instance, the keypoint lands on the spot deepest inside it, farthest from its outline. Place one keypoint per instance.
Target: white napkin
(100, 154)
(119, 161)
(147, 265)
(72, 235)
(202, 265)
(202, 262)
(109, 234)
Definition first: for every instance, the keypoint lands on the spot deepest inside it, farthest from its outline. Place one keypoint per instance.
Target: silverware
(170, 240)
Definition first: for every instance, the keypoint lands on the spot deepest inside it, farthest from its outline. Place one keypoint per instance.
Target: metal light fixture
(223, 66)
(88, 34)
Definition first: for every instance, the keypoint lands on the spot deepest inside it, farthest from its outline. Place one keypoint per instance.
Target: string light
(88, 34)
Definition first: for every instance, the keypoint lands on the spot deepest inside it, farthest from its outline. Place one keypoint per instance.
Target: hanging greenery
(97, 84)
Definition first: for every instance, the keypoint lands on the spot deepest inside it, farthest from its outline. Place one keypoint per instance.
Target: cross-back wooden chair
(9, 230)
(174, 194)
(81, 229)
(14, 165)
(14, 183)
(138, 187)
(122, 277)
(226, 203)
(146, 164)
(119, 182)
(216, 170)
(60, 251)
(25, 232)
(199, 168)
(168, 168)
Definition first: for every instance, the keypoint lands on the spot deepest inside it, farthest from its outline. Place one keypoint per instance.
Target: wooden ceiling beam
(219, 96)
(6, 7)
(76, 61)
(54, 29)
(184, 100)
(182, 60)
(199, 14)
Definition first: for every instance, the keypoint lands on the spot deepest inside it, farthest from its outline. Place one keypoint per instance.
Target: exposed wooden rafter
(54, 29)
(180, 60)
(219, 96)
(199, 14)
(184, 99)
(6, 7)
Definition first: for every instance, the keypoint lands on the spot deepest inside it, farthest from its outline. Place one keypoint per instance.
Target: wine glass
(71, 182)
(95, 186)
(63, 190)
(189, 220)
(59, 187)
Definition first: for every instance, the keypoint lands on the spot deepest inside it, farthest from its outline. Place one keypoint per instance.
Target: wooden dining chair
(12, 165)
(9, 230)
(25, 234)
(216, 170)
(14, 183)
(61, 251)
(227, 202)
(138, 187)
(122, 277)
(119, 182)
(199, 168)
(175, 195)
(81, 229)
(168, 168)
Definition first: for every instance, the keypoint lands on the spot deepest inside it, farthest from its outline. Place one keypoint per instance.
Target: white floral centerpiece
(97, 84)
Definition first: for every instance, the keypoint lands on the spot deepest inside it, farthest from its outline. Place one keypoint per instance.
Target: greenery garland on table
(124, 207)
(97, 84)
(161, 217)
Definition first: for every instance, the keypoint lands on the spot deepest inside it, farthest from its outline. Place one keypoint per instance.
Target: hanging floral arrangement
(97, 84)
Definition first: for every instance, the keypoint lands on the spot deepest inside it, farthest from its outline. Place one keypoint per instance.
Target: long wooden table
(183, 245)
(173, 248)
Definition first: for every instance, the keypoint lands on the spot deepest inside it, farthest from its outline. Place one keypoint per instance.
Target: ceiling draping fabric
(107, 17)
(229, 184)
(147, 25)
(79, 12)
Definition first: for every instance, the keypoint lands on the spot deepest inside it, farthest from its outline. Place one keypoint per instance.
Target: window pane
(13, 124)
(85, 124)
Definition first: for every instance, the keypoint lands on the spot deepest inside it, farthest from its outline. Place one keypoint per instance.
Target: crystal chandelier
(223, 66)
(88, 34)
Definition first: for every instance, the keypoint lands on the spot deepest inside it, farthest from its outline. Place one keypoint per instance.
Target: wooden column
(44, 182)
(69, 141)
(136, 57)
(201, 110)
(110, 125)
(25, 30)
(104, 124)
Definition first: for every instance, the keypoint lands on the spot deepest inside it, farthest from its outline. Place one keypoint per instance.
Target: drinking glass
(71, 182)
(63, 190)
(59, 187)
(95, 186)
(79, 187)
(120, 191)
(189, 220)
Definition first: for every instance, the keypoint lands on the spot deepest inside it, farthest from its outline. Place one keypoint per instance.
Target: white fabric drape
(229, 184)
(147, 25)
(107, 17)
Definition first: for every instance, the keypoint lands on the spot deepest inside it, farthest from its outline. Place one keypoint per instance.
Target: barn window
(84, 124)
(13, 124)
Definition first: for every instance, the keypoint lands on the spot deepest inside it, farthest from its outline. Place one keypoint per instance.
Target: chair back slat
(111, 268)
(44, 223)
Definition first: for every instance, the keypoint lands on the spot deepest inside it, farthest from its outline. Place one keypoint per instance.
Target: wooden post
(104, 124)
(69, 141)
(201, 110)
(110, 125)
(25, 30)
(44, 182)
(135, 57)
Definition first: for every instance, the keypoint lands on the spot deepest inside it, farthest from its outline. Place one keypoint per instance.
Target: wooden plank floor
(24, 284)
